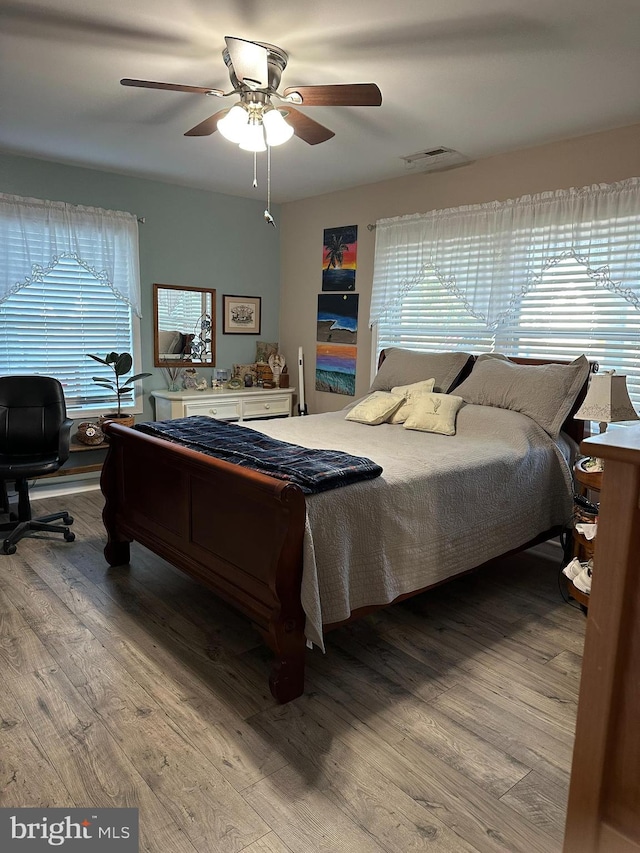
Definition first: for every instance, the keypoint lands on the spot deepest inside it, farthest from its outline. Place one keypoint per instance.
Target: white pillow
(375, 409)
(410, 392)
(434, 413)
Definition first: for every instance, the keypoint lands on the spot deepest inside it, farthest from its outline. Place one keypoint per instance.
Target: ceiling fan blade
(306, 128)
(340, 95)
(173, 87)
(249, 61)
(208, 126)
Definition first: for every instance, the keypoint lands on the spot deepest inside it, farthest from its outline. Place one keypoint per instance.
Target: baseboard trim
(61, 486)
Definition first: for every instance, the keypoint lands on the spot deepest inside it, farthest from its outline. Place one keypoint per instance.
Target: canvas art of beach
(336, 368)
(337, 318)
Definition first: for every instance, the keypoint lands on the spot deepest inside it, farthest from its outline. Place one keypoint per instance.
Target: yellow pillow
(434, 413)
(410, 392)
(375, 409)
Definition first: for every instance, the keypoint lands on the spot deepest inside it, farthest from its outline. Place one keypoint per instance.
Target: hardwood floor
(441, 724)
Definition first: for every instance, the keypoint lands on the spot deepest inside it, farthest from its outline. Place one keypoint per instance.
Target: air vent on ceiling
(435, 159)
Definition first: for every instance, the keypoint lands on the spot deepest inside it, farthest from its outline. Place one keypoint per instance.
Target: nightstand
(587, 483)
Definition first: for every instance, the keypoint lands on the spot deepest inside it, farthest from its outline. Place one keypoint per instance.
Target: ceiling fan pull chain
(267, 214)
(255, 169)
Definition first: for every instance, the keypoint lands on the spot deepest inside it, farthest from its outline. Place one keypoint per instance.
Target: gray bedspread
(444, 504)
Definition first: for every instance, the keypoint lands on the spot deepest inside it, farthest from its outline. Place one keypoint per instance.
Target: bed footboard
(236, 531)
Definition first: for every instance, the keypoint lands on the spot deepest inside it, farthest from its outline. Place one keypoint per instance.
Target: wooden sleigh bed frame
(164, 496)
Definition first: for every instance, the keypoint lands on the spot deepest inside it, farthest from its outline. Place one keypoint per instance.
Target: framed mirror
(184, 326)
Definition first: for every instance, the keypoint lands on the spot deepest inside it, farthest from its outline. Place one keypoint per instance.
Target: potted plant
(120, 364)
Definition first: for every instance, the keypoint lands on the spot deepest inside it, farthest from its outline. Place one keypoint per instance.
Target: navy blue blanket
(312, 470)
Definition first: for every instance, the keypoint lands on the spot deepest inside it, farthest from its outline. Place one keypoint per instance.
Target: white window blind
(49, 327)
(69, 286)
(549, 276)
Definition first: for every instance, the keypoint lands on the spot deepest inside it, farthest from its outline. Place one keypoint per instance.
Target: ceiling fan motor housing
(276, 63)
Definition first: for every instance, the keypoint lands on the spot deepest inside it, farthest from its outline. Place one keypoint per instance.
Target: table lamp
(607, 401)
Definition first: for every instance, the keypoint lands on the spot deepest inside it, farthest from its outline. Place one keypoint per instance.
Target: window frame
(60, 250)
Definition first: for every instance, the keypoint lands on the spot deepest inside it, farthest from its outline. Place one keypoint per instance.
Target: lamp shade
(232, 126)
(607, 400)
(253, 137)
(276, 128)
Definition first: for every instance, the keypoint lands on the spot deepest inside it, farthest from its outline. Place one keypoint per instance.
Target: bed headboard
(574, 428)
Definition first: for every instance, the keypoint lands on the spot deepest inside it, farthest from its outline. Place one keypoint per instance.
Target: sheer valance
(35, 235)
(489, 256)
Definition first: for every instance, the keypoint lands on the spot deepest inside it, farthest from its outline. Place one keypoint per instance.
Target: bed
(299, 565)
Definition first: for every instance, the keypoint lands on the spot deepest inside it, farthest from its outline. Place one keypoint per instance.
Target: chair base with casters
(23, 524)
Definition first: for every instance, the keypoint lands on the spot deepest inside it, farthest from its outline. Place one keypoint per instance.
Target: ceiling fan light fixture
(253, 138)
(276, 129)
(233, 125)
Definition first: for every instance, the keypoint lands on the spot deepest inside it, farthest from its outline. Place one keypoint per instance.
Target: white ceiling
(478, 76)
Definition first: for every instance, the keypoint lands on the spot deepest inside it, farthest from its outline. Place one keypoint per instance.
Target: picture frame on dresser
(241, 315)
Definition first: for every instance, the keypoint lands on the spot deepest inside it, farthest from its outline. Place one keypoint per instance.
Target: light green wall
(190, 237)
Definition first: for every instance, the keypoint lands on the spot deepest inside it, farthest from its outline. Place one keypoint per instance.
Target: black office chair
(34, 440)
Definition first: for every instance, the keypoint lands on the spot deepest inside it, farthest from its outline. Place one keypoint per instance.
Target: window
(68, 287)
(49, 327)
(549, 276)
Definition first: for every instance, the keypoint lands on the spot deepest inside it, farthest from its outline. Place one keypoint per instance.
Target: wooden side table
(586, 480)
(587, 483)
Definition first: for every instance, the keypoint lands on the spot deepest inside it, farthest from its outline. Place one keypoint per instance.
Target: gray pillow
(544, 392)
(404, 367)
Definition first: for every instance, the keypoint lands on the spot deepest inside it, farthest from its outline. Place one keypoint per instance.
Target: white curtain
(36, 234)
(488, 256)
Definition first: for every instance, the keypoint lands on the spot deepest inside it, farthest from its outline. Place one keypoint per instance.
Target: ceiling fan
(255, 69)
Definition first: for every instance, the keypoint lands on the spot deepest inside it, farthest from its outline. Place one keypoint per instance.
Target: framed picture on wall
(241, 315)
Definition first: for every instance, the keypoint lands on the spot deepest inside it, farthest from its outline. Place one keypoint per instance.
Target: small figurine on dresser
(277, 364)
(193, 381)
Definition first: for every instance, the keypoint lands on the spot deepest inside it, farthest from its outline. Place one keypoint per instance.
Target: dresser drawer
(221, 409)
(266, 408)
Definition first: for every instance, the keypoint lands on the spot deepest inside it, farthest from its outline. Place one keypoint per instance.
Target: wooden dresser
(603, 813)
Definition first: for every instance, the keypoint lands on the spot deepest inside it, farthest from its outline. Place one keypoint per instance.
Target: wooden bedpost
(285, 630)
(286, 680)
(116, 551)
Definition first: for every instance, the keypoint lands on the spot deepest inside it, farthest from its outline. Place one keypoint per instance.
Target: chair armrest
(64, 439)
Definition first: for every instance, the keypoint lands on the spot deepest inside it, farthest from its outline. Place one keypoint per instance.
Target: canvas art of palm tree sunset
(339, 254)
